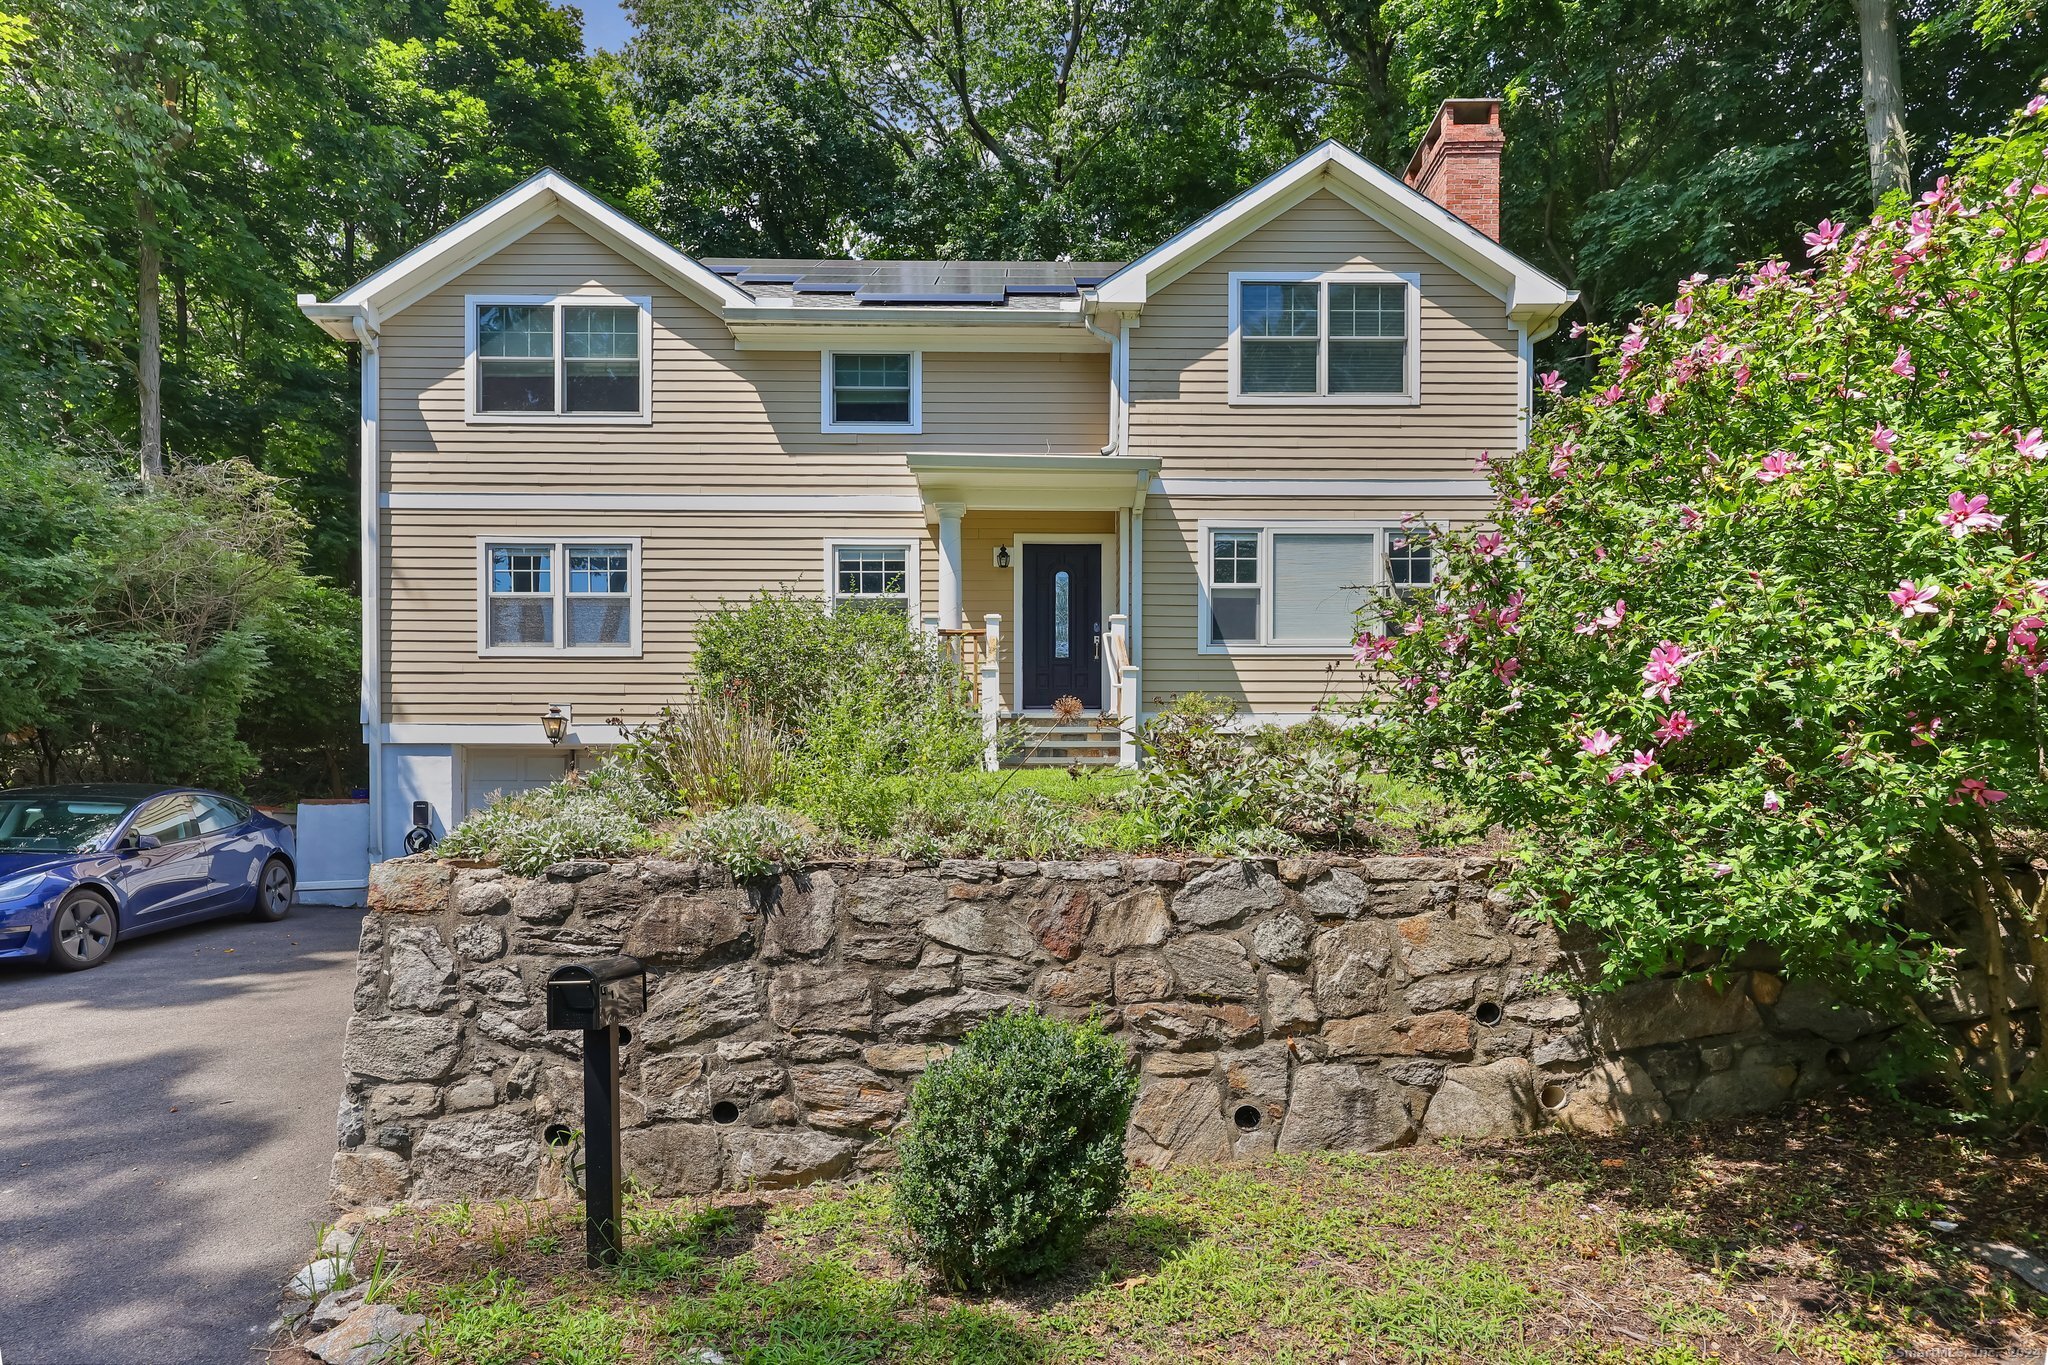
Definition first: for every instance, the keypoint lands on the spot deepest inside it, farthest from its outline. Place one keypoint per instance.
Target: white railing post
(991, 690)
(1124, 690)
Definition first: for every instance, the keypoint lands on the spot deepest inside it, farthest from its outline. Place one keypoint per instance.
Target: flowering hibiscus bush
(1756, 641)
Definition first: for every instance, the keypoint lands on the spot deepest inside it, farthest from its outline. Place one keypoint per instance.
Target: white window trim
(889, 540)
(1412, 367)
(1380, 530)
(472, 389)
(561, 649)
(914, 427)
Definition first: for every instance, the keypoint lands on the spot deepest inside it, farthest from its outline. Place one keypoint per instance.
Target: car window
(170, 818)
(56, 824)
(217, 813)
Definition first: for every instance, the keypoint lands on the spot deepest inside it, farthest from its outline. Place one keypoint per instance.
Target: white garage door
(490, 773)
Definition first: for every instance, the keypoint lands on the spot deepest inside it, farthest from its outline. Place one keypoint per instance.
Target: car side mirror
(140, 843)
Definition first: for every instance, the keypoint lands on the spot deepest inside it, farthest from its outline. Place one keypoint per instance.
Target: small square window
(872, 390)
(1409, 561)
(515, 358)
(601, 359)
(872, 576)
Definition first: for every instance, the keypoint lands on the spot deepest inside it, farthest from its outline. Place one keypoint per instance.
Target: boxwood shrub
(1015, 1147)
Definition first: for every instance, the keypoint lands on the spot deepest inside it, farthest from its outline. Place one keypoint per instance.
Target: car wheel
(84, 933)
(274, 891)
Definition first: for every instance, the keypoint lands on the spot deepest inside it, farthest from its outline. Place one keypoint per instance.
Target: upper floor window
(872, 391)
(548, 595)
(1348, 337)
(1296, 587)
(559, 359)
(872, 575)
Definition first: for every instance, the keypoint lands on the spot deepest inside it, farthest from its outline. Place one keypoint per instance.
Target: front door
(1061, 633)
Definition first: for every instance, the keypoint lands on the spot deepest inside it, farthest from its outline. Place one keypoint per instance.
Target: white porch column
(952, 616)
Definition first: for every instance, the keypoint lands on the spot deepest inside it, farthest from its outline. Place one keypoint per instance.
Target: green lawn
(1797, 1238)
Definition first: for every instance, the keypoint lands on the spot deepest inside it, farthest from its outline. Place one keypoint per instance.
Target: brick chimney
(1458, 163)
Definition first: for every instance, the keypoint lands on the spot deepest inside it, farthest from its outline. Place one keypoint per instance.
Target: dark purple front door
(1061, 634)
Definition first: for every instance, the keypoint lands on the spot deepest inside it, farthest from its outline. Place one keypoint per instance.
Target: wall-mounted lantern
(1002, 556)
(554, 723)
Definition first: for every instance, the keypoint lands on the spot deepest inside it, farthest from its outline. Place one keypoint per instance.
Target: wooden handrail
(966, 647)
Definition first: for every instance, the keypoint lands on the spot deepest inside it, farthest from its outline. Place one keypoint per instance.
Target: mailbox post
(597, 997)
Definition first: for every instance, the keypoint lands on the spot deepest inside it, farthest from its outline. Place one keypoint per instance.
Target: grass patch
(1798, 1237)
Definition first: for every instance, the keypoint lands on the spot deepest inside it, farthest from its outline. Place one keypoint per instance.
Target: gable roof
(1532, 298)
(490, 229)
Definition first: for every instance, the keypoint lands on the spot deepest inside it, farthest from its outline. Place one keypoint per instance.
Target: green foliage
(1015, 1147)
(135, 622)
(791, 656)
(749, 841)
(1213, 785)
(608, 812)
(1760, 637)
(710, 752)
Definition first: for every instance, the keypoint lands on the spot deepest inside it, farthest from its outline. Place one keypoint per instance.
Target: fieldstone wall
(1293, 1005)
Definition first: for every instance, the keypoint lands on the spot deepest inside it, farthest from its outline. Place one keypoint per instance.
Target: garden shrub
(605, 813)
(749, 841)
(713, 751)
(1759, 637)
(1015, 1147)
(790, 655)
(1211, 786)
(844, 759)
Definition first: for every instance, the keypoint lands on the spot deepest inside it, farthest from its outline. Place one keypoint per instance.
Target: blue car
(84, 867)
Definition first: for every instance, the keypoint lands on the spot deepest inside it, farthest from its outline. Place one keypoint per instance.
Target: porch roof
(1025, 483)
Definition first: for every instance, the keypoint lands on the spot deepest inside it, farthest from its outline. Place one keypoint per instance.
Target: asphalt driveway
(166, 1122)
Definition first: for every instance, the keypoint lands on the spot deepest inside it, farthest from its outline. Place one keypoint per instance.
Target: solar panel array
(950, 283)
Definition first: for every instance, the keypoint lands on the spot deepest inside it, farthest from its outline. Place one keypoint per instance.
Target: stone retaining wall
(1298, 1005)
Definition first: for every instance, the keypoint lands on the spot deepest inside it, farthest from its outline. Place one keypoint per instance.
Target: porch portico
(1040, 578)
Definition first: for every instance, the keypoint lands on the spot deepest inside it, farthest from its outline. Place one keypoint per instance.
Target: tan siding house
(1116, 481)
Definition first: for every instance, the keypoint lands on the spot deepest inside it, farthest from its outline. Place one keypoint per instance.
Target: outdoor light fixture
(554, 723)
(1002, 556)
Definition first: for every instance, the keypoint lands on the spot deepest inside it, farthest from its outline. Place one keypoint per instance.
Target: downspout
(1117, 371)
(372, 581)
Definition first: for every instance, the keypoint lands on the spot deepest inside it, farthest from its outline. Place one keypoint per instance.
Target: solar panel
(935, 296)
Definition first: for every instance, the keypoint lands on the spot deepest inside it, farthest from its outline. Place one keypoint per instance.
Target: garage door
(490, 773)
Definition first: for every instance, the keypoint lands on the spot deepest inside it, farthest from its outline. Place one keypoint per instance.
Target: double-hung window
(872, 575)
(1349, 337)
(872, 391)
(1298, 586)
(546, 596)
(559, 359)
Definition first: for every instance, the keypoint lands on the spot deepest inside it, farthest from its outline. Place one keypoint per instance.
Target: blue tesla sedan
(84, 867)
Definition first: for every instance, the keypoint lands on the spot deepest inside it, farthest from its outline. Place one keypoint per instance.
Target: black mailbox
(587, 995)
(597, 997)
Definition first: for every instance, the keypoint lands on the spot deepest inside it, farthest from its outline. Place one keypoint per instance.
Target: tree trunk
(149, 341)
(1884, 101)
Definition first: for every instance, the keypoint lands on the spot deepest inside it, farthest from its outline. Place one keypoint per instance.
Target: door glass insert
(1061, 636)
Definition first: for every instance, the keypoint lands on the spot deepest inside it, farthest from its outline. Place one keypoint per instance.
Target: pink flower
(1561, 460)
(1882, 437)
(1612, 617)
(1689, 517)
(2030, 446)
(1522, 503)
(2037, 253)
(1665, 669)
(1578, 330)
(1658, 402)
(1892, 466)
(1965, 515)
(1641, 762)
(1432, 700)
(1912, 601)
(1823, 238)
(1777, 465)
(1773, 803)
(1372, 648)
(1675, 727)
(1632, 342)
(2035, 105)
(1598, 744)
(1902, 364)
(1489, 544)
(1925, 732)
(1608, 396)
(1978, 790)
(1506, 669)
(1552, 382)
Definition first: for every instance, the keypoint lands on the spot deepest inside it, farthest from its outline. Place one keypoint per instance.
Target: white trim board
(1321, 488)
(630, 501)
(507, 734)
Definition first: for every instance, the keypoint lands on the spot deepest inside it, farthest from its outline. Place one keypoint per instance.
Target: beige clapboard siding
(1268, 683)
(1180, 367)
(690, 563)
(724, 419)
